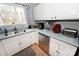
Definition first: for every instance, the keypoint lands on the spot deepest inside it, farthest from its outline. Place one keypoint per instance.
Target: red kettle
(56, 28)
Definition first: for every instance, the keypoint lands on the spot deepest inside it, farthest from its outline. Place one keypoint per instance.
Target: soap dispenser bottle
(6, 32)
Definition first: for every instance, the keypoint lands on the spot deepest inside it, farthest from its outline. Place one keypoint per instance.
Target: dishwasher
(44, 42)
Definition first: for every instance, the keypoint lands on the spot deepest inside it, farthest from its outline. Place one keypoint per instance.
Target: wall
(74, 25)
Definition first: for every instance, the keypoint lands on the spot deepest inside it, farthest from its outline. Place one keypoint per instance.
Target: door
(34, 37)
(11, 45)
(54, 47)
(59, 48)
(2, 50)
(67, 49)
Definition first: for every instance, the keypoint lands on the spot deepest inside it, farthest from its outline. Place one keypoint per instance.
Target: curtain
(11, 14)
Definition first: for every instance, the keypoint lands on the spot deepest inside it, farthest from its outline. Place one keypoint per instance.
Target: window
(10, 14)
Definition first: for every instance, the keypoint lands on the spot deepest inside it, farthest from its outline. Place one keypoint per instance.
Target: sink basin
(13, 34)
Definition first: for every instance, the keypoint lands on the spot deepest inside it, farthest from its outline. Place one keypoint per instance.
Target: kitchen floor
(33, 50)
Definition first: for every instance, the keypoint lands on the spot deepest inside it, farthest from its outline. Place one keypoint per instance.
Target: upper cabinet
(56, 11)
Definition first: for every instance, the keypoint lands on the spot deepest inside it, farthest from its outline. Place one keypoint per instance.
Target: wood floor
(33, 50)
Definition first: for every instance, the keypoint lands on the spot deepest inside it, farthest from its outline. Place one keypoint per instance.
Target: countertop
(58, 36)
(11, 34)
(61, 37)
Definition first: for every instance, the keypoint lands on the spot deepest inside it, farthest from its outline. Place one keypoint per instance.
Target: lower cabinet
(59, 48)
(53, 47)
(11, 45)
(15, 44)
(66, 49)
(2, 50)
(34, 36)
(28, 39)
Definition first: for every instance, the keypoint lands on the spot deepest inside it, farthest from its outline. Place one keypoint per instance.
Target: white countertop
(61, 37)
(58, 36)
(11, 34)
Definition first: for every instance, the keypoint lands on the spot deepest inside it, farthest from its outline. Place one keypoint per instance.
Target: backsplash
(74, 25)
(67, 24)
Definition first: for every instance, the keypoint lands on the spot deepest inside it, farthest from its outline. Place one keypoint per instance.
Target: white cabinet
(46, 11)
(59, 48)
(28, 39)
(66, 49)
(11, 45)
(53, 47)
(15, 44)
(35, 37)
(2, 50)
(25, 40)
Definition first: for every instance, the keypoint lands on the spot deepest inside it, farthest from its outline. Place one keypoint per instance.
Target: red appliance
(56, 28)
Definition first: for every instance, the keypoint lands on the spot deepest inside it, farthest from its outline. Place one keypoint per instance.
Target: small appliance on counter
(35, 26)
(47, 25)
(56, 28)
(41, 25)
(70, 32)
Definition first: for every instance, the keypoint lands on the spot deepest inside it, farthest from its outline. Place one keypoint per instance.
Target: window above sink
(11, 14)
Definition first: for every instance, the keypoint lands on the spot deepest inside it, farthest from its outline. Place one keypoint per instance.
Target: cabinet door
(67, 49)
(43, 12)
(2, 50)
(24, 41)
(34, 37)
(60, 48)
(28, 39)
(11, 45)
(53, 47)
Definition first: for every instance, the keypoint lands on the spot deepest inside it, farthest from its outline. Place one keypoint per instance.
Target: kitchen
(39, 29)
